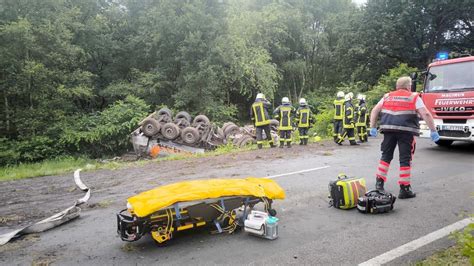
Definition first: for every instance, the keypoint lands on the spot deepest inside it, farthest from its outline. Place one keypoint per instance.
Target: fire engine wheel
(190, 135)
(183, 115)
(201, 119)
(444, 142)
(165, 111)
(246, 141)
(170, 131)
(150, 127)
(226, 124)
(231, 130)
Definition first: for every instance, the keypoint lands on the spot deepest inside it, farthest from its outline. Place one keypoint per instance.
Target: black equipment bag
(376, 201)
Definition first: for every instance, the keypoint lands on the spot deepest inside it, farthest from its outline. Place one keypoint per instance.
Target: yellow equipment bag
(345, 192)
(158, 198)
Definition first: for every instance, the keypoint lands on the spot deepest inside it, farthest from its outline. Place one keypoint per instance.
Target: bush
(106, 132)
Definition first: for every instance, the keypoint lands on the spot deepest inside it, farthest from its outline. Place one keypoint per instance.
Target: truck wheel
(274, 123)
(231, 130)
(190, 135)
(201, 119)
(170, 131)
(150, 127)
(245, 141)
(226, 124)
(183, 115)
(165, 111)
(444, 142)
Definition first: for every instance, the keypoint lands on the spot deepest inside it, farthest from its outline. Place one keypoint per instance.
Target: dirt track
(29, 200)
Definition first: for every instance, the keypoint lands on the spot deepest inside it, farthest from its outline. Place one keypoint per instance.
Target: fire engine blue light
(442, 55)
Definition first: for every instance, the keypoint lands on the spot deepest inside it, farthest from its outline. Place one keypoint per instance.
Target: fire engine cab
(448, 94)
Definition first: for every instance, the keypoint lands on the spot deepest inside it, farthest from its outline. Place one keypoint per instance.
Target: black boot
(306, 141)
(259, 146)
(272, 145)
(301, 141)
(336, 139)
(288, 144)
(282, 143)
(353, 143)
(379, 184)
(406, 192)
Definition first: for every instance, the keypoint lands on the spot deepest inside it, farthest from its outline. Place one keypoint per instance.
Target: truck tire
(150, 127)
(201, 119)
(274, 123)
(246, 140)
(190, 135)
(165, 111)
(170, 131)
(220, 133)
(231, 130)
(226, 124)
(444, 142)
(183, 115)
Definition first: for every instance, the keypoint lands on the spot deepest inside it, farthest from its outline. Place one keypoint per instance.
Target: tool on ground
(54, 220)
(168, 209)
(261, 224)
(376, 201)
(345, 191)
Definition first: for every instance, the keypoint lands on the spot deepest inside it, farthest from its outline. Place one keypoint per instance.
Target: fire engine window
(451, 77)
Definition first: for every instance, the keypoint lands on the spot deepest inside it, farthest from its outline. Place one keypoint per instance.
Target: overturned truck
(161, 132)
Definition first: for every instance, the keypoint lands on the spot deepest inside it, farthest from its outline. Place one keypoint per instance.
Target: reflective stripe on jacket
(304, 116)
(348, 121)
(284, 113)
(362, 115)
(260, 114)
(338, 109)
(399, 112)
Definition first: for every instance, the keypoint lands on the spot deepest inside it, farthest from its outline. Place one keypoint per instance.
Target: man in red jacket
(400, 124)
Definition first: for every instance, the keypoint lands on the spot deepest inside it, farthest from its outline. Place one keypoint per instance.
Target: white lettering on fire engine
(462, 101)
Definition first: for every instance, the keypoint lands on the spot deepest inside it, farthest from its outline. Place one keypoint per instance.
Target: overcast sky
(359, 2)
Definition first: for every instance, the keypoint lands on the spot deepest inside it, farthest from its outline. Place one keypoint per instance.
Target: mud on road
(29, 200)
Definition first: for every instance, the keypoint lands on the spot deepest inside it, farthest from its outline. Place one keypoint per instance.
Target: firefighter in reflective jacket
(348, 122)
(284, 113)
(399, 124)
(338, 115)
(304, 119)
(259, 115)
(361, 118)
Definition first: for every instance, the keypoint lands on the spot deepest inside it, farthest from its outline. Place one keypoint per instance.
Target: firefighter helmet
(340, 94)
(303, 102)
(285, 100)
(260, 96)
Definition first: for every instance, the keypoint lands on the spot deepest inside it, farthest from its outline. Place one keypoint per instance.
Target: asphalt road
(310, 231)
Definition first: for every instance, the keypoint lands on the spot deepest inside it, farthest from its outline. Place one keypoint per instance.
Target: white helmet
(340, 94)
(303, 101)
(364, 96)
(260, 96)
(347, 97)
(360, 97)
(352, 95)
(285, 100)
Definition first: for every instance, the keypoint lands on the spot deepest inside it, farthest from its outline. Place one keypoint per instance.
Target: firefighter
(361, 118)
(259, 115)
(284, 113)
(399, 123)
(304, 119)
(338, 115)
(348, 121)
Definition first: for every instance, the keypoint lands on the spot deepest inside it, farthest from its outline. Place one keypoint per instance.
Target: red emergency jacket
(399, 112)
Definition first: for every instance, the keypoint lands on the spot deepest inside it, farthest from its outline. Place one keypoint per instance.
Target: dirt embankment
(28, 200)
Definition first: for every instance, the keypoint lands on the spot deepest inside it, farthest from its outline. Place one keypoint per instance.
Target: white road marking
(299, 172)
(417, 243)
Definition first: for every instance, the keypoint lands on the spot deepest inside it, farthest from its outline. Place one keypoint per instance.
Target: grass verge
(450, 256)
(68, 164)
